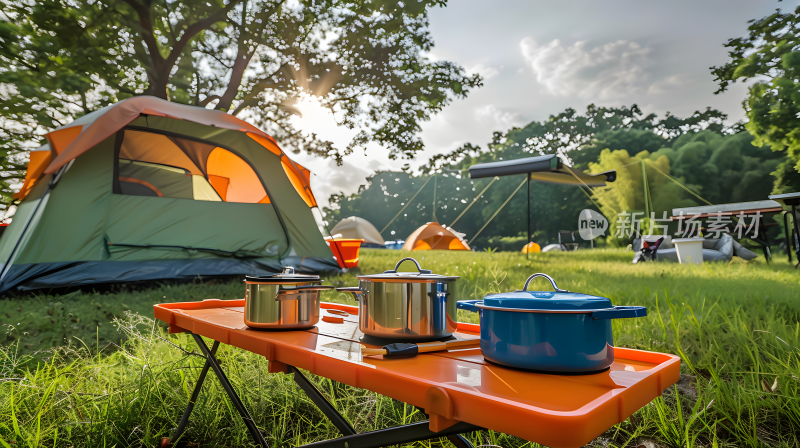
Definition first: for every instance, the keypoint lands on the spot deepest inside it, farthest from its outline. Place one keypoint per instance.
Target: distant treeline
(716, 162)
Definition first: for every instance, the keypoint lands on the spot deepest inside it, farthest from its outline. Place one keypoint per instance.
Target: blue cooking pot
(556, 332)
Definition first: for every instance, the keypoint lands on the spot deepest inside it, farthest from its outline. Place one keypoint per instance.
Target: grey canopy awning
(547, 168)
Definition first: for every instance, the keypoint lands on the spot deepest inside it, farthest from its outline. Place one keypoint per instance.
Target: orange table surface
(553, 410)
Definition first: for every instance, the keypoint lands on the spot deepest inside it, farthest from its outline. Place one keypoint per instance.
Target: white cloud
(662, 86)
(614, 70)
(485, 71)
(491, 115)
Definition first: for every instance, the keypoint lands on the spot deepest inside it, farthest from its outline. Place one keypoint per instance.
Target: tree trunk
(158, 87)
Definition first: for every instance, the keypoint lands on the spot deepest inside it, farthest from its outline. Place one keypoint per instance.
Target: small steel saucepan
(406, 305)
(286, 301)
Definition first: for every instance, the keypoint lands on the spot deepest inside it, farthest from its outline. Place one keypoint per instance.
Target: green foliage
(254, 58)
(769, 55)
(626, 194)
(570, 130)
(49, 75)
(734, 325)
(787, 178)
(632, 140)
(723, 168)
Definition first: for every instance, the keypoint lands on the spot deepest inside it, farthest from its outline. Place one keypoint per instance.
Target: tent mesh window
(151, 164)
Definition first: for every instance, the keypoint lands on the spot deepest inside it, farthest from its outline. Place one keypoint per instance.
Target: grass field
(86, 369)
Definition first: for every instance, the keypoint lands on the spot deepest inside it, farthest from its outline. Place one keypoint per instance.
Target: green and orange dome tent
(147, 189)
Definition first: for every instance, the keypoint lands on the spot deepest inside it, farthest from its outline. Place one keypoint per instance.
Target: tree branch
(259, 87)
(203, 49)
(239, 66)
(207, 100)
(195, 28)
(146, 23)
(244, 104)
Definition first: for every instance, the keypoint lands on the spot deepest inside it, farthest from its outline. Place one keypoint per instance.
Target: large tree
(770, 56)
(364, 60)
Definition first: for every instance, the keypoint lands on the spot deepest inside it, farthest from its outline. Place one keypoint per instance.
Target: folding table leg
(796, 226)
(767, 251)
(383, 437)
(237, 403)
(322, 403)
(789, 242)
(393, 436)
(195, 393)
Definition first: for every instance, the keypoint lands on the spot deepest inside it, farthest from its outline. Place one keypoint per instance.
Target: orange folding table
(458, 390)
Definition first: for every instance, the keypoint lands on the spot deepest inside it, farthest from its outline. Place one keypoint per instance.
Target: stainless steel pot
(406, 305)
(286, 301)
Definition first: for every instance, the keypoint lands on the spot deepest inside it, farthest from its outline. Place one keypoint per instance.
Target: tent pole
(527, 251)
(644, 186)
(434, 198)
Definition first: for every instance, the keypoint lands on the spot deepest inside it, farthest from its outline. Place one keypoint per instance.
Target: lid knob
(552, 282)
(288, 270)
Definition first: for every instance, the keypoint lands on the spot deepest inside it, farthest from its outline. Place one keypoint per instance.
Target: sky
(539, 57)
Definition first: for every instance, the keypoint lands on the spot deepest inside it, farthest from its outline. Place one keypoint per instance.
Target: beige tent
(358, 228)
(435, 236)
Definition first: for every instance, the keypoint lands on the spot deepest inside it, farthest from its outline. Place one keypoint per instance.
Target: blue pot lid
(546, 300)
(558, 300)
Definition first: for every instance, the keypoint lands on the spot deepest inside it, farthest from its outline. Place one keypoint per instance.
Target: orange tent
(435, 236)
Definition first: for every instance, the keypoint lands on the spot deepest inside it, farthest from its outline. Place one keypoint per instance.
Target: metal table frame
(761, 241)
(790, 244)
(791, 200)
(351, 438)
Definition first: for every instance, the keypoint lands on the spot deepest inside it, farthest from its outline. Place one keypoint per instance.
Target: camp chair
(567, 246)
(648, 250)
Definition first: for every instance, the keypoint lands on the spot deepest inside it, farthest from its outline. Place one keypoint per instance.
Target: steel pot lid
(287, 275)
(558, 300)
(421, 275)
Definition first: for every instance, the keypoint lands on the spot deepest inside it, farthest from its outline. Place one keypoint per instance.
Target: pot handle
(468, 305)
(354, 290)
(552, 282)
(620, 312)
(291, 294)
(419, 268)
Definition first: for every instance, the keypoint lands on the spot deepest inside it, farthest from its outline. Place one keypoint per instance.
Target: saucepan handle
(419, 268)
(468, 305)
(620, 312)
(292, 294)
(354, 290)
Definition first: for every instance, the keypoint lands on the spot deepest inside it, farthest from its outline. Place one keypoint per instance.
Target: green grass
(71, 377)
